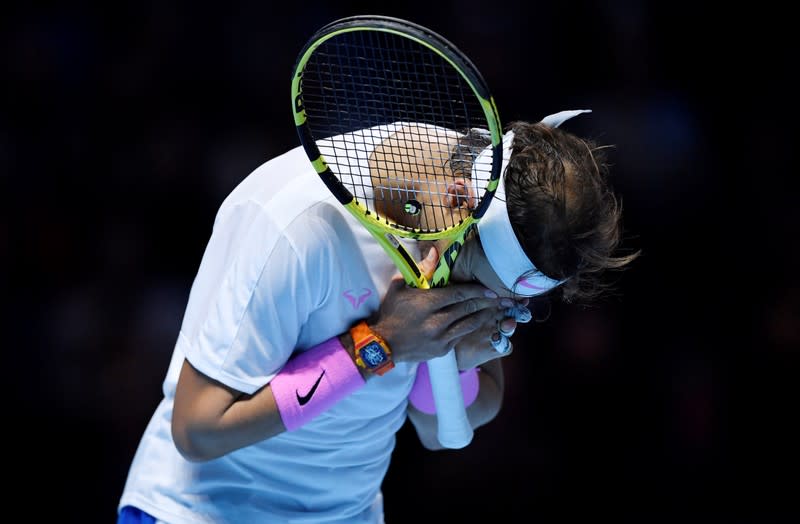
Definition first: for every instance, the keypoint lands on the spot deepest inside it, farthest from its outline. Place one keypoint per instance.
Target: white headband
(499, 242)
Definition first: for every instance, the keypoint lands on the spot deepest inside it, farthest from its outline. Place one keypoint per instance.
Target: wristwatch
(372, 352)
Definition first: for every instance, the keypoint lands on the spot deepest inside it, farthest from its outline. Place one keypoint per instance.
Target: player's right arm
(211, 419)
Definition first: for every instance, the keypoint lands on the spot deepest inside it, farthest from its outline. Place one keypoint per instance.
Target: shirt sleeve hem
(198, 360)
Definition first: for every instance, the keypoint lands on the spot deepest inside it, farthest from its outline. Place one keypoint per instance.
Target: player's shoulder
(282, 187)
(268, 179)
(285, 198)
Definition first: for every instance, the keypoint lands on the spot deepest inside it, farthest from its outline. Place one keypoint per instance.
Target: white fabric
(353, 171)
(499, 242)
(286, 267)
(556, 119)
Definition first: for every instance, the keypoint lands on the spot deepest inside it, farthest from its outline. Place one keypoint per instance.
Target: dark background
(123, 128)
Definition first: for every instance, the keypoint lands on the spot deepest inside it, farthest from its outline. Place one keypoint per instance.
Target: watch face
(373, 354)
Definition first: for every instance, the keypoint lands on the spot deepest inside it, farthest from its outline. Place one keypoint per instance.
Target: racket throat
(447, 260)
(409, 267)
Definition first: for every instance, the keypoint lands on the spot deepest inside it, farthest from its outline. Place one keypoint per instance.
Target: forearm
(490, 395)
(211, 419)
(483, 410)
(249, 419)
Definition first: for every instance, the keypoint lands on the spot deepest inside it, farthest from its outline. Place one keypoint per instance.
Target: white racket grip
(454, 430)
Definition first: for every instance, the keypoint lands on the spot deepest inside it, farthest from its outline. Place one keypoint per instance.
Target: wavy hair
(563, 209)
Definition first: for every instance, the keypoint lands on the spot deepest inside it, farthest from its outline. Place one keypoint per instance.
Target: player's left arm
(482, 411)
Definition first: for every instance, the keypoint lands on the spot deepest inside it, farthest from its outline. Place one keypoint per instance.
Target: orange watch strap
(361, 333)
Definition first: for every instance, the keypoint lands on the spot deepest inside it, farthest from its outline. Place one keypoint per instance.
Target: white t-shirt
(286, 268)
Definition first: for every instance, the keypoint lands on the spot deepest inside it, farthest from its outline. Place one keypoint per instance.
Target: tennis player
(301, 352)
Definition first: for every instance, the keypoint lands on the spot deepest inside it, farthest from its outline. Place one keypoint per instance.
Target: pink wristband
(421, 396)
(313, 381)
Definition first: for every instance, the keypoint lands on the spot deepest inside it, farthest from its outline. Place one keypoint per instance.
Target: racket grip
(454, 429)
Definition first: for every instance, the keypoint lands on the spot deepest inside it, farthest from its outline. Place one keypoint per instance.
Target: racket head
(384, 109)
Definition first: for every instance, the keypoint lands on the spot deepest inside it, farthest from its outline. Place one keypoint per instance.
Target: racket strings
(370, 92)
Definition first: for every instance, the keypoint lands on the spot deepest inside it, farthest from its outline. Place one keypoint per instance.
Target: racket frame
(456, 432)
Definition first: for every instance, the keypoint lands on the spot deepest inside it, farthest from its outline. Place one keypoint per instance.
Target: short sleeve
(249, 300)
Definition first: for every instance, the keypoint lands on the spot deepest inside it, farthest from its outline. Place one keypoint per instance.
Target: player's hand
(492, 339)
(421, 324)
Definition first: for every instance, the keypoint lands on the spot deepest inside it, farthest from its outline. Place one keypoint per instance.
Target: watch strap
(363, 336)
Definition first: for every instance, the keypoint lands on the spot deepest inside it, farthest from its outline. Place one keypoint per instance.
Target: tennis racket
(391, 116)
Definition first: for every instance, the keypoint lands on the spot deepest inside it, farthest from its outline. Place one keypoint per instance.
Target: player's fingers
(484, 320)
(476, 313)
(507, 326)
(428, 264)
(502, 344)
(473, 314)
(519, 313)
(468, 297)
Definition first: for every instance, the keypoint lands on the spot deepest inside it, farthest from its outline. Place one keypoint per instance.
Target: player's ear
(460, 194)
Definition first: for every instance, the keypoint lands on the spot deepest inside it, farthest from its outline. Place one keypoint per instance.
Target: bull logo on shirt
(357, 300)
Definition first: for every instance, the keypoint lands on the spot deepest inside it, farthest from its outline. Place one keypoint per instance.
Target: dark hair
(563, 209)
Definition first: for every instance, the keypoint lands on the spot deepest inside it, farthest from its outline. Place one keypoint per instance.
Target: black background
(122, 129)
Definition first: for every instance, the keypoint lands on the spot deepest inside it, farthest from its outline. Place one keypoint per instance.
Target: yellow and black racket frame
(385, 231)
